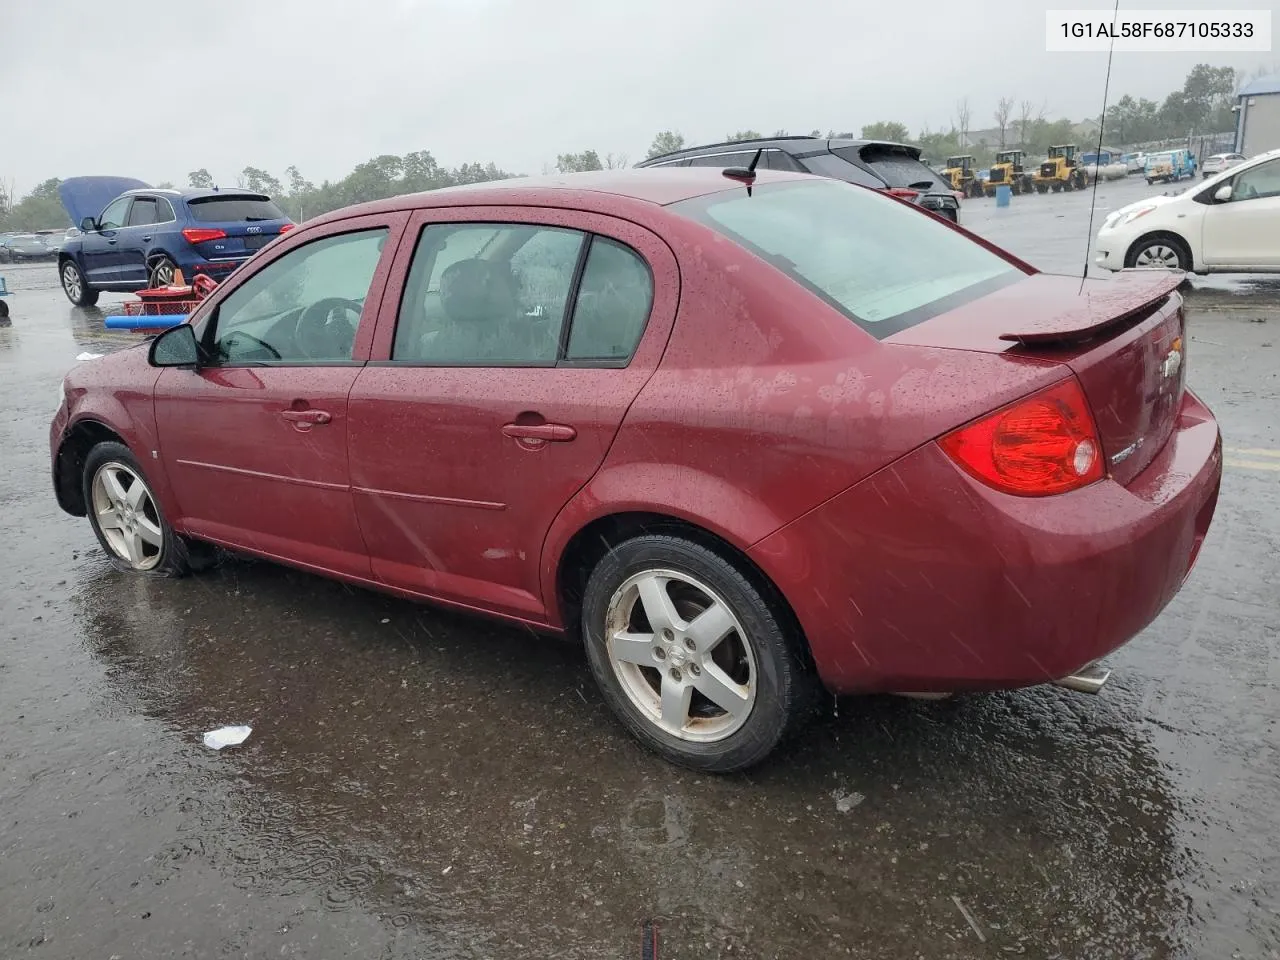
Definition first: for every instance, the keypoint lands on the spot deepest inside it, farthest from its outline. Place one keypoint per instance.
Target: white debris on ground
(847, 801)
(226, 737)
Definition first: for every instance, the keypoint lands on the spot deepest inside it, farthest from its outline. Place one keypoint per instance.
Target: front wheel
(126, 516)
(1159, 251)
(690, 656)
(75, 287)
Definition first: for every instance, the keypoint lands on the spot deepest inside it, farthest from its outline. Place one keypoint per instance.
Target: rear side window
(230, 208)
(837, 168)
(142, 212)
(613, 303)
(897, 167)
(723, 160)
(881, 264)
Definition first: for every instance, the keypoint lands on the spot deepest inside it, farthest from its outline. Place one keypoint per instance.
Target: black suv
(894, 167)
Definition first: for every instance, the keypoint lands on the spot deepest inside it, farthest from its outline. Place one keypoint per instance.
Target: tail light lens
(287, 227)
(202, 234)
(905, 193)
(1044, 444)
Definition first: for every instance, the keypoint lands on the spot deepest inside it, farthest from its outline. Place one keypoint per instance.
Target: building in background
(1258, 116)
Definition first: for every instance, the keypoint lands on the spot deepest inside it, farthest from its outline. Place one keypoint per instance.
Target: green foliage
(668, 141)
(578, 162)
(200, 179)
(39, 210)
(744, 135)
(886, 130)
(259, 181)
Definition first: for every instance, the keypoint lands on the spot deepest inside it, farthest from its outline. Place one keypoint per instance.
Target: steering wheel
(325, 331)
(230, 341)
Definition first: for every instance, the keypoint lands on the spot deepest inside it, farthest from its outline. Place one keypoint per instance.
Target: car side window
(829, 165)
(114, 216)
(1257, 182)
(501, 303)
(142, 212)
(301, 308)
(164, 211)
(723, 159)
(613, 304)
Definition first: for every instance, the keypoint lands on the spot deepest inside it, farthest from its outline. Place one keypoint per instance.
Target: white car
(1230, 223)
(1221, 161)
(1135, 162)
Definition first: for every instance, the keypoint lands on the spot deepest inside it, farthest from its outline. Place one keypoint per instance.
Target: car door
(98, 250)
(254, 441)
(1245, 229)
(502, 369)
(133, 239)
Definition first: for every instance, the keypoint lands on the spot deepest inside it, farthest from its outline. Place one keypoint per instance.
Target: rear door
(502, 369)
(100, 249)
(255, 441)
(1245, 231)
(134, 238)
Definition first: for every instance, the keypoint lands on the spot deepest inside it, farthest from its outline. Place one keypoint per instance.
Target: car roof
(600, 191)
(791, 144)
(193, 193)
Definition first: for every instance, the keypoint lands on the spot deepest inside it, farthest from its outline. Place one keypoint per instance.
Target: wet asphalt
(420, 784)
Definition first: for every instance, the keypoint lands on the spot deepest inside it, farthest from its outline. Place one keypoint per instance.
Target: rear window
(898, 167)
(885, 266)
(223, 209)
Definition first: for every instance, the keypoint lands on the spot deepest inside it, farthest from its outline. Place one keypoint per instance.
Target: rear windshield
(898, 167)
(222, 209)
(884, 265)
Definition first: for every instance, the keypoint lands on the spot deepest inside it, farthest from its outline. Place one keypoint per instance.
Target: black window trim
(209, 323)
(570, 306)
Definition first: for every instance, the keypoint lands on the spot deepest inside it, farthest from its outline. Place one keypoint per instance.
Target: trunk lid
(1123, 339)
(248, 222)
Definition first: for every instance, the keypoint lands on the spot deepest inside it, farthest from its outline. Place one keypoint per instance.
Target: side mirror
(1223, 193)
(176, 347)
(88, 225)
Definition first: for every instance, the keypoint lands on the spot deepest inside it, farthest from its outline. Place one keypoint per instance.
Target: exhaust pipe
(1090, 679)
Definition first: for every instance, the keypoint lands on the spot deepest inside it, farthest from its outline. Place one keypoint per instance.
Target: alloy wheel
(71, 281)
(162, 275)
(126, 513)
(681, 655)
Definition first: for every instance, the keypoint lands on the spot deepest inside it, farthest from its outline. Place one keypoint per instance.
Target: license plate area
(256, 241)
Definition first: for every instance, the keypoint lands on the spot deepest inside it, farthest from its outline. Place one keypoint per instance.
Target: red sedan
(746, 442)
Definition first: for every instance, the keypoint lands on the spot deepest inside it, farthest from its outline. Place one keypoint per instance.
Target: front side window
(1257, 182)
(142, 212)
(881, 264)
(485, 294)
(113, 217)
(301, 308)
(723, 160)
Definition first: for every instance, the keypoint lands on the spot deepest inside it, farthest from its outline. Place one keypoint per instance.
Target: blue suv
(140, 237)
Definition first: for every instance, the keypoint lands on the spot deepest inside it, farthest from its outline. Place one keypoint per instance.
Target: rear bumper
(193, 264)
(920, 578)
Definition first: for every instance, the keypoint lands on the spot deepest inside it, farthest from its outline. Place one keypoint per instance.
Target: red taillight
(1042, 445)
(202, 234)
(287, 227)
(906, 193)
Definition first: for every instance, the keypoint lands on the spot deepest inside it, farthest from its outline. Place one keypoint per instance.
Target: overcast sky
(155, 89)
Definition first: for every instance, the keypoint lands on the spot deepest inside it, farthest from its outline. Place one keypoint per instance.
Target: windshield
(884, 265)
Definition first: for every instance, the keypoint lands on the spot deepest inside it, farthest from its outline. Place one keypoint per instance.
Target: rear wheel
(74, 285)
(4, 310)
(1159, 251)
(161, 272)
(689, 654)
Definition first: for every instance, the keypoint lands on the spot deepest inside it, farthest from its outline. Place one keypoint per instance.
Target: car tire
(161, 271)
(1159, 251)
(127, 519)
(4, 310)
(75, 286)
(668, 684)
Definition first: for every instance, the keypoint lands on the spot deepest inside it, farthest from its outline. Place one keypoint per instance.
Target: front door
(499, 378)
(255, 441)
(134, 239)
(1245, 230)
(100, 247)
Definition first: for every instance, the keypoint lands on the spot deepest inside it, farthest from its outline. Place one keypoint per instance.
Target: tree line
(1202, 105)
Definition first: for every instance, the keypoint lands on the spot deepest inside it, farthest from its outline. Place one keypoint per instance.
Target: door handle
(555, 432)
(307, 417)
(111, 239)
(147, 238)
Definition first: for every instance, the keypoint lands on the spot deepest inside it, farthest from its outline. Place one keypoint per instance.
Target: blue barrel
(1003, 195)
(145, 323)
